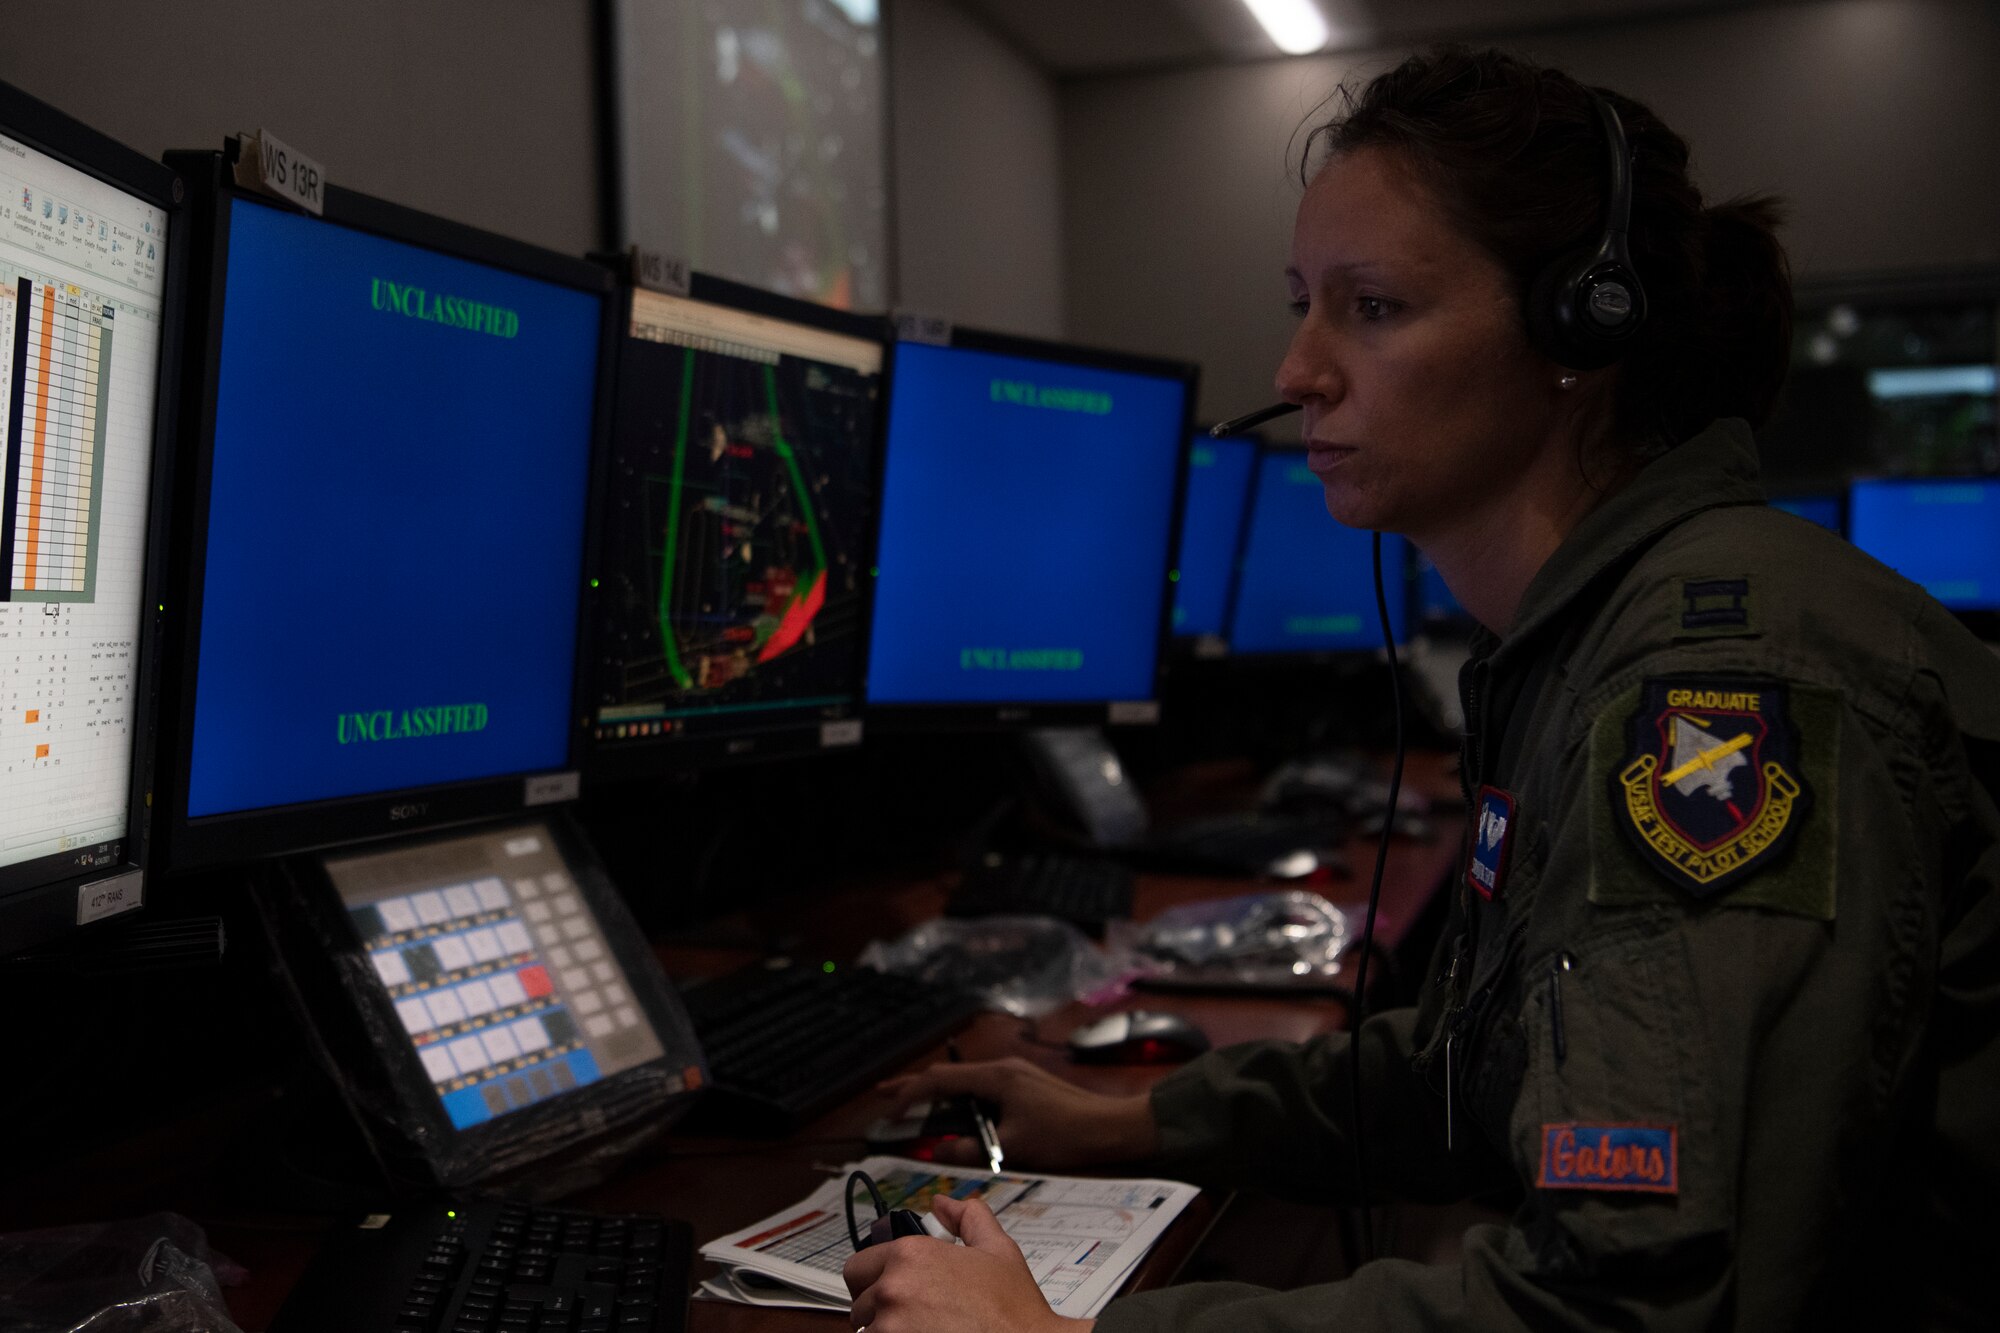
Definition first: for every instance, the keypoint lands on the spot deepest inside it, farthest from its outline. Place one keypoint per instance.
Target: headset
(1585, 306)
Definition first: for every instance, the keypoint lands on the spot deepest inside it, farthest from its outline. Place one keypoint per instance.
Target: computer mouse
(1137, 1037)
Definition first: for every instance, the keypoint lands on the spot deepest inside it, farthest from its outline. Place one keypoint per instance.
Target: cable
(1368, 924)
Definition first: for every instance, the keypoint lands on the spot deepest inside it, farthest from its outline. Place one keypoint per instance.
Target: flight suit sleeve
(1275, 1117)
(1708, 1093)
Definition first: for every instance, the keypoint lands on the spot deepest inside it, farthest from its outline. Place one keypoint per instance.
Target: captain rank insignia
(1710, 789)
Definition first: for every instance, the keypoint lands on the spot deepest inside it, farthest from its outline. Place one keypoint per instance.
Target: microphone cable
(1360, 1010)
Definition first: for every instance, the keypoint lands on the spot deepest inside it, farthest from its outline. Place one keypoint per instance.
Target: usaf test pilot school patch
(1710, 788)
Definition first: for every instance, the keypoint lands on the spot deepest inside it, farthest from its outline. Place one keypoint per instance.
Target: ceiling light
(1296, 26)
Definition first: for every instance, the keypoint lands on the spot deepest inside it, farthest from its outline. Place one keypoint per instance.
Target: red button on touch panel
(535, 981)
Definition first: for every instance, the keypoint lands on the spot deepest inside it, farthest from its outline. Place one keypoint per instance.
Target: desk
(717, 1184)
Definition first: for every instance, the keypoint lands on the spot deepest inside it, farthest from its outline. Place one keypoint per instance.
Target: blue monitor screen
(396, 517)
(1821, 509)
(1218, 485)
(1307, 583)
(1943, 534)
(1027, 516)
(1436, 603)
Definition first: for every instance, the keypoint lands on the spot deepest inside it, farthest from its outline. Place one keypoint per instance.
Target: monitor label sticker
(923, 329)
(671, 274)
(847, 731)
(549, 788)
(110, 897)
(281, 171)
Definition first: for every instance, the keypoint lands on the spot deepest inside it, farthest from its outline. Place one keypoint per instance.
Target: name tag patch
(1492, 841)
(1641, 1158)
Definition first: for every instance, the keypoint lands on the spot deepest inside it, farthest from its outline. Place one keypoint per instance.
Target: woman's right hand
(1045, 1122)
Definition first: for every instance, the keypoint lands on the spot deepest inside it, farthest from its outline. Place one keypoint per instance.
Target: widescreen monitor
(1814, 507)
(1030, 496)
(1942, 532)
(1218, 492)
(90, 236)
(1307, 583)
(739, 526)
(397, 426)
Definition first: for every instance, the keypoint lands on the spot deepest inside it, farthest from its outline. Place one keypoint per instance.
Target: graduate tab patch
(1641, 1158)
(1710, 789)
(1492, 840)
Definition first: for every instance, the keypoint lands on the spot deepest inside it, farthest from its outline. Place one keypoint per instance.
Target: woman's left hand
(922, 1285)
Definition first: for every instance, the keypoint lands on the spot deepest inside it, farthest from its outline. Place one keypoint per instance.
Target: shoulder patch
(1706, 780)
(1643, 1158)
(1715, 607)
(1492, 843)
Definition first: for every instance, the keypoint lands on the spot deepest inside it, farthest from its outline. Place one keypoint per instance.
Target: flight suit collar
(1714, 468)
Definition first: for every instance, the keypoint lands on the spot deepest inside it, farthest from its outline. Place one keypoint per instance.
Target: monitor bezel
(786, 731)
(1397, 577)
(246, 835)
(36, 913)
(918, 716)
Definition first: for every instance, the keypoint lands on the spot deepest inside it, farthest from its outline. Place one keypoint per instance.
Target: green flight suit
(1811, 1040)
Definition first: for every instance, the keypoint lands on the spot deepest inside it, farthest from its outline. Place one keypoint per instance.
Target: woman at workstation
(1719, 995)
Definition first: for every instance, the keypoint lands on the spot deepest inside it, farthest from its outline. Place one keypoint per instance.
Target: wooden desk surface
(720, 1184)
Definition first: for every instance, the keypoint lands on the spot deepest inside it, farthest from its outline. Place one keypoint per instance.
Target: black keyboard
(785, 1042)
(1087, 891)
(485, 1266)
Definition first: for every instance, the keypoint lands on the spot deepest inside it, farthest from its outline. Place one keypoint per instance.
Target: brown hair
(1516, 156)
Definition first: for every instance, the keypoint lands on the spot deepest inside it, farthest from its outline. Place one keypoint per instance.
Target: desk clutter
(1081, 1237)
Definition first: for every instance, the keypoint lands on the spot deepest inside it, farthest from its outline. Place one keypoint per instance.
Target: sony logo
(408, 810)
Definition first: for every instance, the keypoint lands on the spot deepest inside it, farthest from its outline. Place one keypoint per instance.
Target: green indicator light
(826, 967)
(593, 583)
(450, 1212)
(1173, 576)
(874, 571)
(163, 606)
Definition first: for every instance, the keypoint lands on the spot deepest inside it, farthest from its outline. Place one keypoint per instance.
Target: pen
(989, 1138)
(1250, 419)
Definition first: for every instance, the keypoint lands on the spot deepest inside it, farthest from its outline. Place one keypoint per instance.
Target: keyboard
(787, 1041)
(1086, 891)
(486, 1266)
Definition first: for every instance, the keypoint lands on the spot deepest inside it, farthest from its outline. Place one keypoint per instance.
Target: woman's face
(1423, 400)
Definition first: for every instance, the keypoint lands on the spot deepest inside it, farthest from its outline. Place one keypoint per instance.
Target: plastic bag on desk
(1022, 965)
(1264, 941)
(145, 1275)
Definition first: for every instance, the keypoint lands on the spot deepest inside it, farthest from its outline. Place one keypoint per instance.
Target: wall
(977, 176)
(479, 110)
(1878, 119)
(485, 111)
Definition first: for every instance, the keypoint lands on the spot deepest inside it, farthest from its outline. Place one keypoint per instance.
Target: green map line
(792, 463)
(667, 645)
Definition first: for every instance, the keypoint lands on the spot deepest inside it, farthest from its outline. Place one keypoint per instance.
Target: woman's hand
(923, 1285)
(1045, 1122)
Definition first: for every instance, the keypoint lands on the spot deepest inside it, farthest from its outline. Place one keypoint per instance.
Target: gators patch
(1710, 789)
(1643, 1158)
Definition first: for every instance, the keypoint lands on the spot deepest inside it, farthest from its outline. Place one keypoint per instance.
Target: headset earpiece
(1584, 307)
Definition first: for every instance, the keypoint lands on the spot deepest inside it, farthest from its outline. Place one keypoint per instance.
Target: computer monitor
(1824, 508)
(1307, 583)
(90, 290)
(739, 525)
(1941, 532)
(394, 434)
(1437, 607)
(1218, 493)
(1029, 499)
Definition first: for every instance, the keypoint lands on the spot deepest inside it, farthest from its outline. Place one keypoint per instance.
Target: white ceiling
(1076, 38)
